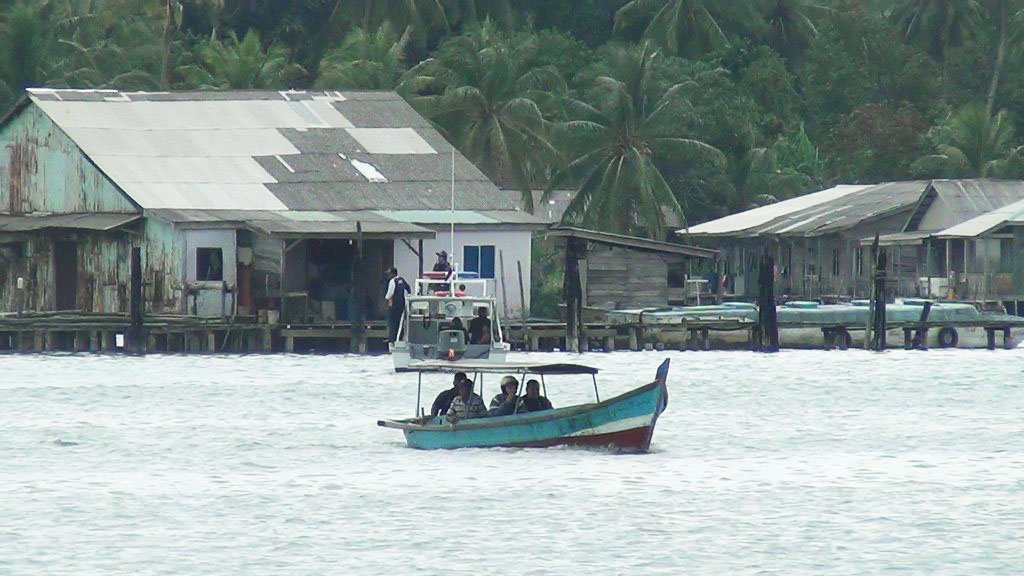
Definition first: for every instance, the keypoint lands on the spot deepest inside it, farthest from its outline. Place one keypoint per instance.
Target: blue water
(796, 463)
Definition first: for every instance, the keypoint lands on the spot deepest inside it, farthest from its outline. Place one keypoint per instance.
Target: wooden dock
(80, 332)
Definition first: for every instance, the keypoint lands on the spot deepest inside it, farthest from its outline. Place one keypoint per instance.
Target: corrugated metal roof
(267, 150)
(100, 221)
(1011, 214)
(966, 199)
(897, 239)
(437, 216)
(631, 242)
(749, 220)
(295, 223)
(816, 214)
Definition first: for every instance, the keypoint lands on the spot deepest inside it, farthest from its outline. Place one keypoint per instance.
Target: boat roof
(452, 366)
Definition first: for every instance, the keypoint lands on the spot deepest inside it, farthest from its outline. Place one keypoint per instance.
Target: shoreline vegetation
(653, 114)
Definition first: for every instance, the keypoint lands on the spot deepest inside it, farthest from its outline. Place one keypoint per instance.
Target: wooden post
(358, 342)
(990, 337)
(767, 315)
(523, 309)
(267, 339)
(573, 293)
(501, 273)
(135, 338)
(921, 338)
(878, 319)
(1007, 338)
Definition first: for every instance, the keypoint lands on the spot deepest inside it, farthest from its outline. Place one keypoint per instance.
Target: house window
(209, 264)
(479, 259)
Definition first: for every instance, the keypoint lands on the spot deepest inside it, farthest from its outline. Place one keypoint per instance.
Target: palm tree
(1007, 17)
(463, 13)
(791, 26)
(940, 24)
(618, 142)
(423, 16)
(367, 61)
(970, 144)
(241, 65)
(686, 27)
(25, 41)
(482, 90)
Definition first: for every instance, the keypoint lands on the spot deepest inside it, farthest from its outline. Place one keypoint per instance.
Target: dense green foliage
(658, 112)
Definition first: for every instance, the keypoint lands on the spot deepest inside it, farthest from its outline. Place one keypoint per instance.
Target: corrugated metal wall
(42, 170)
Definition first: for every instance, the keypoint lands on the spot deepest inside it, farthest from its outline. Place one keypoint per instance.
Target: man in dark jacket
(533, 401)
(395, 296)
(444, 400)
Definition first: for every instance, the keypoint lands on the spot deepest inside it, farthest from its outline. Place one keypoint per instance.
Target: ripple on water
(800, 462)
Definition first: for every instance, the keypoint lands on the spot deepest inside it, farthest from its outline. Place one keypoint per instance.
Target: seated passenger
(466, 404)
(444, 400)
(504, 403)
(533, 401)
(480, 327)
(456, 324)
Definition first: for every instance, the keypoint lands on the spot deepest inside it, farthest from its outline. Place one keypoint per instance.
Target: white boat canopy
(539, 368)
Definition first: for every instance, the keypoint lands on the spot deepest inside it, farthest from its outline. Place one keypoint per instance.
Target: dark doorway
(65, 274)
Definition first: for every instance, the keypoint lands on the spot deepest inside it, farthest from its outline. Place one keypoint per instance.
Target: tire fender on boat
(948, 337)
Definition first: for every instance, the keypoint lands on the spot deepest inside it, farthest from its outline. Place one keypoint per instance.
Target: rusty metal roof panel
(99, 221)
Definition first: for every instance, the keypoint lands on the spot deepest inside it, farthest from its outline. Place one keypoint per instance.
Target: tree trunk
(169, 26)
(993, 88)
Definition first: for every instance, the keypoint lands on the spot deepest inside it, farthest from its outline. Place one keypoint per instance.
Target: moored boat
(437, 320)
(625, 422)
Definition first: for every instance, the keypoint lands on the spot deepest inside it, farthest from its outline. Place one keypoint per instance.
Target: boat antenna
(452, 229)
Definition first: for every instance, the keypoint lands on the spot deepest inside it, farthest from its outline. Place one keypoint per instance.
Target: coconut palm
(241, 64)
(790, 24)
(423, 16)
(970, 144)
(939, 24)
(367, 61)
(463, 13)
(25, 40)
(1006, 19)
(482, 90)
(618, 142)
(686, 27)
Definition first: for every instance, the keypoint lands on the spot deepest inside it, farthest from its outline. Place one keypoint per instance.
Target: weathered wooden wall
(163, 261)
(102, 282)
(616, 277)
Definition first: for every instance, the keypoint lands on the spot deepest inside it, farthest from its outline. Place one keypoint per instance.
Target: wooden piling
(921, 337)
(990, 338)
(135, 340)
(767, 315)
(358, 340)
(878, 320)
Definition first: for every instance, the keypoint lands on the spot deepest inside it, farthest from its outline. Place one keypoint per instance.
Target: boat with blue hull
(625, 422)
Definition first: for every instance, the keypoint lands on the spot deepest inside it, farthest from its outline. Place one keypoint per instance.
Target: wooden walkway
(78, 332)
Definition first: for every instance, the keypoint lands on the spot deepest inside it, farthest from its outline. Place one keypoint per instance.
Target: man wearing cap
(442, 264)
(505, 402)
(467, 404)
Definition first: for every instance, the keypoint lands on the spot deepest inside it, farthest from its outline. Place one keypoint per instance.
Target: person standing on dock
(395, 296)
